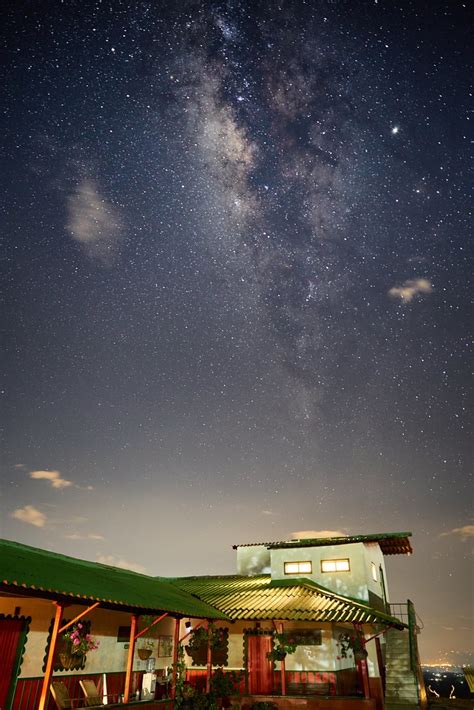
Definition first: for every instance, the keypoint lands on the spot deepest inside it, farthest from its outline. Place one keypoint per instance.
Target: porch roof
(396, 543)
(25, 569)
(257, 598)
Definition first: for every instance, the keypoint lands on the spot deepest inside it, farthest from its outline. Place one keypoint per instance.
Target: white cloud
(465, 532)
(119, 562)
(95, 223)
(31, 515)
(88, 536)
(54, 477)
(410, 288)
(307, 534)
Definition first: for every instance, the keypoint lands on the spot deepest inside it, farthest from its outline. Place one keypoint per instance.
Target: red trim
(28, 689)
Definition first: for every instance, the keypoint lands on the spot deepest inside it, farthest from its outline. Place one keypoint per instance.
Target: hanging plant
(353, 642)
(282, 646)
(79, 641)
(198, 643)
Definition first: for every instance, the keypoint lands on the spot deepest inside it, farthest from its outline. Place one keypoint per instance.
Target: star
(395, 130)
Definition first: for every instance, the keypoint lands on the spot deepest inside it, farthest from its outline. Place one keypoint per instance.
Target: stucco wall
(253, 560)
(355, 583)
(324, 657)
(110, 656)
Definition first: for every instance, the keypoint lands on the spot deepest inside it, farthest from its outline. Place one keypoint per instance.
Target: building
(329, 597)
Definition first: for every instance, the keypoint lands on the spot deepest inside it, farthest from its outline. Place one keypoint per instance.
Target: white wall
(110, 656)
(355, 583)
(253, 560)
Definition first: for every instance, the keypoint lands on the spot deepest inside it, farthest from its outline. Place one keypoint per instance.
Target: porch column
(282, 668)
(380, 662)
(49, 663)
(363, 676)
(175, 657)
(131, 651)
(209, 659)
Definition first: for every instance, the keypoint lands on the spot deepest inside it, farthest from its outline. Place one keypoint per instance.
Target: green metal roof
(254, 598)
(390, 543)
(48, 574)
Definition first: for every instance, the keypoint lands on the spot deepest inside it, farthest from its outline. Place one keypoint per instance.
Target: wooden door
(259, 666)
(11, 642)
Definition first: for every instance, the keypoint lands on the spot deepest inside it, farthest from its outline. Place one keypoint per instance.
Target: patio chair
(61, 696)
(93, 697)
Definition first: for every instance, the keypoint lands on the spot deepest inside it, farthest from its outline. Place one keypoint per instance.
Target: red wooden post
(209, 659)
(282, 668)
(131, 651)
(175, 658)
(363, 676)
(49, 663)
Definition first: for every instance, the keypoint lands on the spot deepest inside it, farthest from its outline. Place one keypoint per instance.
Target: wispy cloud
(306, 534)
(465, 532)
(95, 223)
(119, 562)
(87, 536)
(53, 477)
(31, 515)
(410, 288)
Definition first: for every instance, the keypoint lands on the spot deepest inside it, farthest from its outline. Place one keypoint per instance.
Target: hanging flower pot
(71, 660)
(283, 644)
(144, 653)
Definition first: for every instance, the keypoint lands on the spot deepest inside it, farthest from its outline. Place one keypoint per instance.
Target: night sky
(236, 266)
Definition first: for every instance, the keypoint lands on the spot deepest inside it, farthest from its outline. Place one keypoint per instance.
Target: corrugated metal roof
(390, 543)
(253, 598)
(469, 676)
(25, 568)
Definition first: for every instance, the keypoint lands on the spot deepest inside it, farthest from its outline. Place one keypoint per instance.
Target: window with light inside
(342, 565)
(298, 567)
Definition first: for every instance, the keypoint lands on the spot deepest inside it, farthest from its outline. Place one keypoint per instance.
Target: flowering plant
(202, 635)
(79, 641)
(282, 644)
(352, 642)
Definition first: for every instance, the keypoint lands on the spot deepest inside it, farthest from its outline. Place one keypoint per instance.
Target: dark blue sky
(236, 266)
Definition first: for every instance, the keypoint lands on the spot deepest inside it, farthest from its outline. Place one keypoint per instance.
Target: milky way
(236, 266)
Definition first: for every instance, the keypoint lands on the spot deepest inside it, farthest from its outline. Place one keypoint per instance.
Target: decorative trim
(57, 667)
(20, 652)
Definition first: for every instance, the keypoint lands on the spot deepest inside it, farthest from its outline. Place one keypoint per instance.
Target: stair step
(402, 698)
(401, 705)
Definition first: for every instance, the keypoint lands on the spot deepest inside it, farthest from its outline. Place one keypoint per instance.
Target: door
(259, 666)
(11, 644)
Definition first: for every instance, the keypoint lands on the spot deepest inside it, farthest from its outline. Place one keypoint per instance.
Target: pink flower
(76, 642)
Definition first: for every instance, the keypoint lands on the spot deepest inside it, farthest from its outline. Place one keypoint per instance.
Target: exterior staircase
(401, 682)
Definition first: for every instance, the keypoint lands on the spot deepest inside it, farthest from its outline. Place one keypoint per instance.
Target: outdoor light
(188, 624)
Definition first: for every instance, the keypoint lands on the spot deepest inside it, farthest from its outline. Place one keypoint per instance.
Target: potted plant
(188, 695)
(223, 685)
(353, 642)
(144, 652)
(282, 645)
(78, 643)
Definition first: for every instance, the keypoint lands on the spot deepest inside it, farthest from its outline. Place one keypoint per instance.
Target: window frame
(335, 561)
(298, 562)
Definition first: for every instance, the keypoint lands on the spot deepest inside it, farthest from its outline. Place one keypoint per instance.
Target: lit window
(335, 565)
(374, 571)
(298, 567)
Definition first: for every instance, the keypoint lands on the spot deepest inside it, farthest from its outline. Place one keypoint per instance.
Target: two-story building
(326, 597)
